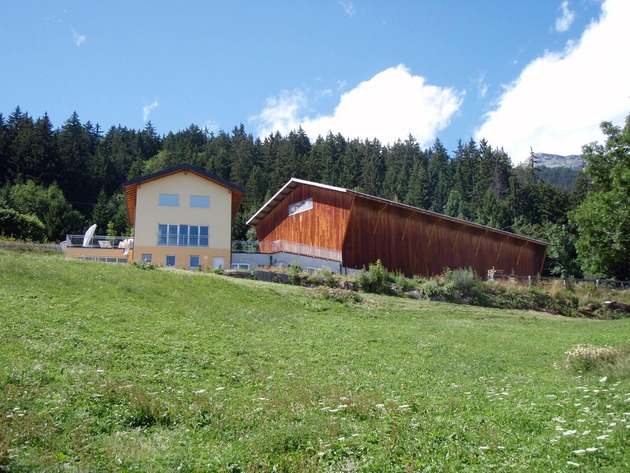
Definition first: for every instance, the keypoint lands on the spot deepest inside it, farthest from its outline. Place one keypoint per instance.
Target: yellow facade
(149, 214)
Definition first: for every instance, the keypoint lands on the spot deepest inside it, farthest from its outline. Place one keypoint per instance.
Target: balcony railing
(99, 241)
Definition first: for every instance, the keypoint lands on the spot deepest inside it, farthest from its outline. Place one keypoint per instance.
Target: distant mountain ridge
(572, 161)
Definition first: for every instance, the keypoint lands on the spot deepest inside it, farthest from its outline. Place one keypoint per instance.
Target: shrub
(144, 265)
(323, 277)
(376, 279)
(584, 358)
(21, 226)
(466, 284)
(435, 288)
(294, 273)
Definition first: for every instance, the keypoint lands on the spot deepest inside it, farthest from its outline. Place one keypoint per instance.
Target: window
(162, 231)
(200, 201)
(194, 262)
(203, 236)
(240, 266)
(193, 239)
(169, 200)
(147, 257)
(302, 206)
(170, 261)
(183, 235)
(172, 235)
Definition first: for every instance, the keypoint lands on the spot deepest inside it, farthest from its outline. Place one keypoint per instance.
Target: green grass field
(109, 367)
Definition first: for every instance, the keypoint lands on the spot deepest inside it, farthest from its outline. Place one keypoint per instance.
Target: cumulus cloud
(78, 38)
(564, 21)
(558, 101)
(390, 106)
(147, 109)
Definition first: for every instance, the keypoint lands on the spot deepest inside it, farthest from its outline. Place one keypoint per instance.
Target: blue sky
(541, 73)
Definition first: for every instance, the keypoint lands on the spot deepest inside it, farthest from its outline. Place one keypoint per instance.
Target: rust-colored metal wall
(405, 239)
(323, 226)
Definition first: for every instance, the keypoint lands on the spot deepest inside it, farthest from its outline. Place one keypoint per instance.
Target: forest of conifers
(55, 181)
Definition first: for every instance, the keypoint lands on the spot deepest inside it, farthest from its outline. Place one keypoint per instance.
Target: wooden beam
(457, 236)
(500, 246)
(406, 222)
(481, 235)
(431, 234)
(378, 218)
(520, 251)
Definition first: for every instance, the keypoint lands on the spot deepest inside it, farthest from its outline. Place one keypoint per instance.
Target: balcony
(109, 249)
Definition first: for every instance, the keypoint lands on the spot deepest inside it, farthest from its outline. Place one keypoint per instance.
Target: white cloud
(78, 38)
(389, 106)
(147, 109)
(281, 113)
(348, 7)
(563, 23)
(559, 100)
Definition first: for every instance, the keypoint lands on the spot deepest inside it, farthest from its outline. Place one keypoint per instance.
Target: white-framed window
(147, 257)
(170, 261)
(240, 266)
(200, 201)
(183, 235)
(301, 206)
(194, 262)
(169, 200)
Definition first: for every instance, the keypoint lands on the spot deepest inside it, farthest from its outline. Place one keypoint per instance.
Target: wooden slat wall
(419, 244)
(404, 239)
(323, 226)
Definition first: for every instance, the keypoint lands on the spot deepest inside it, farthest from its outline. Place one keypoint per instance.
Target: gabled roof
(294, 183)
(131, 187)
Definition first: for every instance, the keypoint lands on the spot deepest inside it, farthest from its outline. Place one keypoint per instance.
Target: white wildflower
(581, 451)
(573, 464)
(220, 388)
(603, 437)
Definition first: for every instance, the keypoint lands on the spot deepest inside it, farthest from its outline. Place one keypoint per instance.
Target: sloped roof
(131, 187)
(294, 183)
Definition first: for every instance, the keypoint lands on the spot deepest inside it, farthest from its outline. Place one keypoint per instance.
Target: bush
(323, 277)
(294, 273)
(466, 284)
(435, 288)
(21, 226)
(144, 265)
(376, 279)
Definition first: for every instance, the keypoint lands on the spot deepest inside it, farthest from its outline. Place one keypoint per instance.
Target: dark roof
(294, 182)
(131, 187)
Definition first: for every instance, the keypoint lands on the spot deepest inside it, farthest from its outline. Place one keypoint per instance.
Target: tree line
(58, 181)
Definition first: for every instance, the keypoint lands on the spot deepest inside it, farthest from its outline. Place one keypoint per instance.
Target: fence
(599, 283)
(28, 246)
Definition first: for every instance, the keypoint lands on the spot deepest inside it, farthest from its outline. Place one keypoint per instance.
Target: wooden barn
(355, 229)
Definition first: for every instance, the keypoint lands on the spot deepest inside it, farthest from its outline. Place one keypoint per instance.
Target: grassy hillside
(107, 367)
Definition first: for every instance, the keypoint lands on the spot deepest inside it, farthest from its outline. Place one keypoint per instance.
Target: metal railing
(535, 280)
(97, 241)
(241, 246)
(282, 246)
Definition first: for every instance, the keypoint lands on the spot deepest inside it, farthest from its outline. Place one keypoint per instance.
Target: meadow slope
(109, 367)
